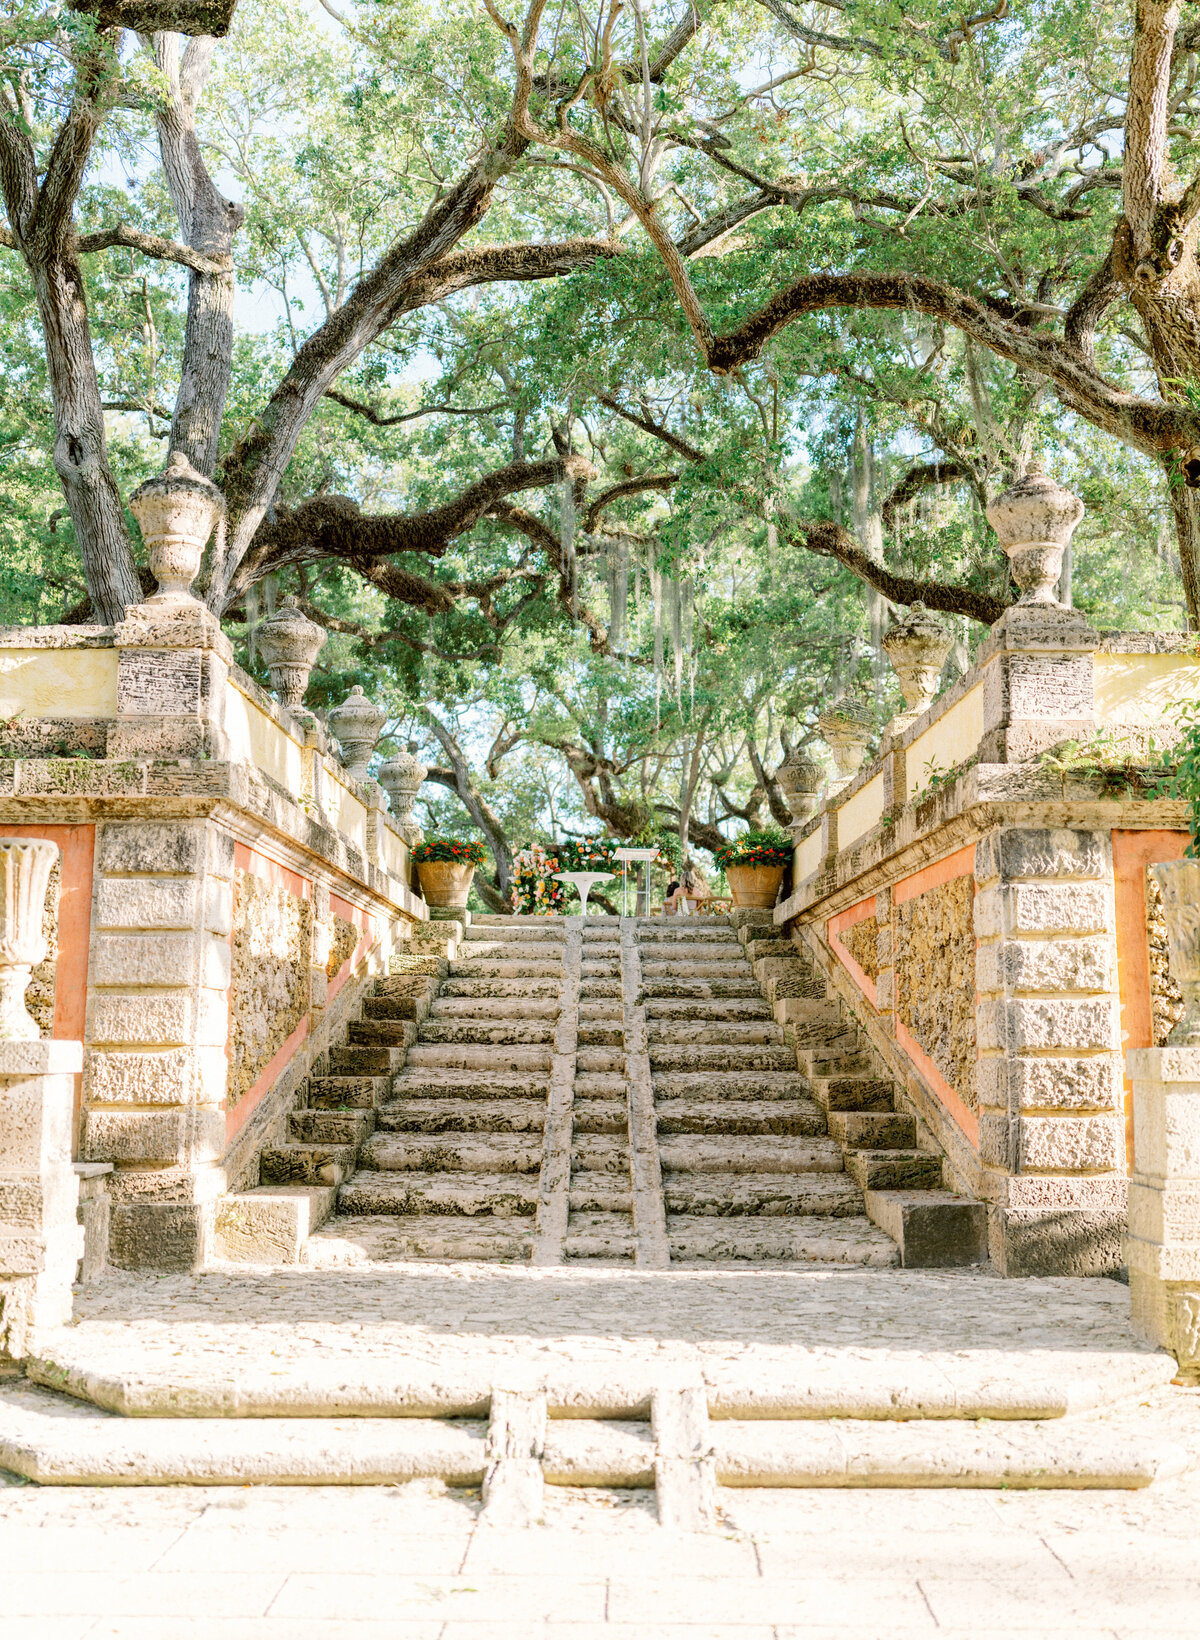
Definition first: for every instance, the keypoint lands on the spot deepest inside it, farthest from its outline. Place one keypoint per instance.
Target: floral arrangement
(588, 854)
(770, 847)
(450, 848)
(535, 893)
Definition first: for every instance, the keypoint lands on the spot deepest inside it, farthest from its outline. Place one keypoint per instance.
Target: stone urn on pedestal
(847, 727)
(290, 643)
(917, 645)
(800, 778)
(1035, 519)
(401, 778)
(176, 512)
(1179, 884)
(357, 724)
(25, 866)
(446, 869)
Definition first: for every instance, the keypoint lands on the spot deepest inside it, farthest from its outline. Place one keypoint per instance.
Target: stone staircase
(600, 1225)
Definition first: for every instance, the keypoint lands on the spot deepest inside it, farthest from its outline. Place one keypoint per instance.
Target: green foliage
(460, 851)
(769, 847)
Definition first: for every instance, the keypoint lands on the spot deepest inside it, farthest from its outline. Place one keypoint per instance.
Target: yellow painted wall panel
(58, 683)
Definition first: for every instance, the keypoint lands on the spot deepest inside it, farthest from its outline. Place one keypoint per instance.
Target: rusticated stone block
(152, 1136)
(997, 1140)
(143, 1018)
(1050, 686)
(153, 847)
(1021, 852)
(146, 902)
(121, 960)
(156, 1078)
(1019, 1024)
(1045, 965)
(157, 1236)
(1071, 1144)
(1069, 908)
(1052, 1242)
(166, 737)
(1093, 1083)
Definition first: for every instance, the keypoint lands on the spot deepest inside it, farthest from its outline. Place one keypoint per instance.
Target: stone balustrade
(983, 915)
(226, 891)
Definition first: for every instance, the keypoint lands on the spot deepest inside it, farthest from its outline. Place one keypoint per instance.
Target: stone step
(512, 1007)
(601, 1007)
(469, 1195)
(600, 1059)
(530, 969)
(384, 1238)
(500, 988)
(699, 1032)
(347, 1092)
(894, 1169)
(762, 1238)
(599, 986)
(526, 954)
(600, 1034)
(269, 1224)
(501, 1032)
(599, 1236)
(736, 1009)
(446, 1083)
(730, 1085)
(53, 1440)
(601, 1153)
(933, 1229)
(664, 934)
(392, 1007)
(693, 951)
(669, 1056)
(463, 1116)
(599, 1084)
(600, 1193)
(330, 1127)
(366, 1061)
(661, 987)
(679, 970)
(862, 1092)
(391, 1152)
(593, 972)
(872, 1130)
(600, 1115)
(306, 1164)
(384, 1033)
(798, 1116)
(502, 1059)
(748, 1154)
(719, 1195)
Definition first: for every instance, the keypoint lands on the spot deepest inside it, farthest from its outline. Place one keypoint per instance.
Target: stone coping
(57, 637)
(77, 790)
(987, 795)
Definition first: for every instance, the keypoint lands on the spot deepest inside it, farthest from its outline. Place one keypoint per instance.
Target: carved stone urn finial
(289, 643)
(1035, 519)
(401, 777)
(800, 778)
(917, 645)
(25, 866)
(847, 727)
(356, 723)
(176, 512)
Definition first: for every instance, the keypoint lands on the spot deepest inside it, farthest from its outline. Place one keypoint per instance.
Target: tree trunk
(80, 450)
(1185, 508)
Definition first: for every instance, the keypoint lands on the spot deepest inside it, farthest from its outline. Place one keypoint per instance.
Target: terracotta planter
(754, 886)
(445, 882)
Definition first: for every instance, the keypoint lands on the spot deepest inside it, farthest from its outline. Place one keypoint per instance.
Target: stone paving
(414, 1563)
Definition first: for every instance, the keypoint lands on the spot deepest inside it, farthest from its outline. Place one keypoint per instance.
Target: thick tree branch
(832, 541)
(656, 429)
(378, 419)
(915, 480)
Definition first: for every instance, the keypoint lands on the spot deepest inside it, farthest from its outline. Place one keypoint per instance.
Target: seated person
(693, 888)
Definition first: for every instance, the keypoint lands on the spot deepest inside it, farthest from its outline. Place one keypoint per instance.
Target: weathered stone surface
(272, 941)
(1075, 1242)
(935, 979)
(1046, 965)
(148, 1017)
(1016, 852)
(1023, 1023)
(153, 847)
(163, 1077)
(1071, 1144)
(122, 960)
(157, 1235)
(1061, 1083)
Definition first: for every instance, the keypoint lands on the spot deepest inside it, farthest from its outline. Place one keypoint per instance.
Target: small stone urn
(357, 724)
(1035, 520)
(176, 512)
(25, 866)
(1179, 884)
(917, 645)
(289, 643)
(401, 778)
(847, 727)
(800, 779)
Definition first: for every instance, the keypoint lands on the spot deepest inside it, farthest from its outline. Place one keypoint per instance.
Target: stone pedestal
(172, 670)
(1051, 1138)
(41, 1241)
(1162, 1247)
(1038, 682)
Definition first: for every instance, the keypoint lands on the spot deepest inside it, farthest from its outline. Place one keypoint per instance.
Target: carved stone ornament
(176, 513)
(25, 866)
(847, 727)
(357, 724)
(401, 778)
(1179, 885)
(289, 643)
(917, 645)
(800, 779)
(1035, 520)
(1185, 1328)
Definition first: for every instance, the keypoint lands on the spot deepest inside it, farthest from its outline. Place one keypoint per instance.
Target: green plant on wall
(1182, 781)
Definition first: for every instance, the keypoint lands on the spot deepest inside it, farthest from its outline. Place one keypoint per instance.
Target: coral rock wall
(269, 994)
(1166, 999)
(861, 940)
(934, 942)
(39, 998)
